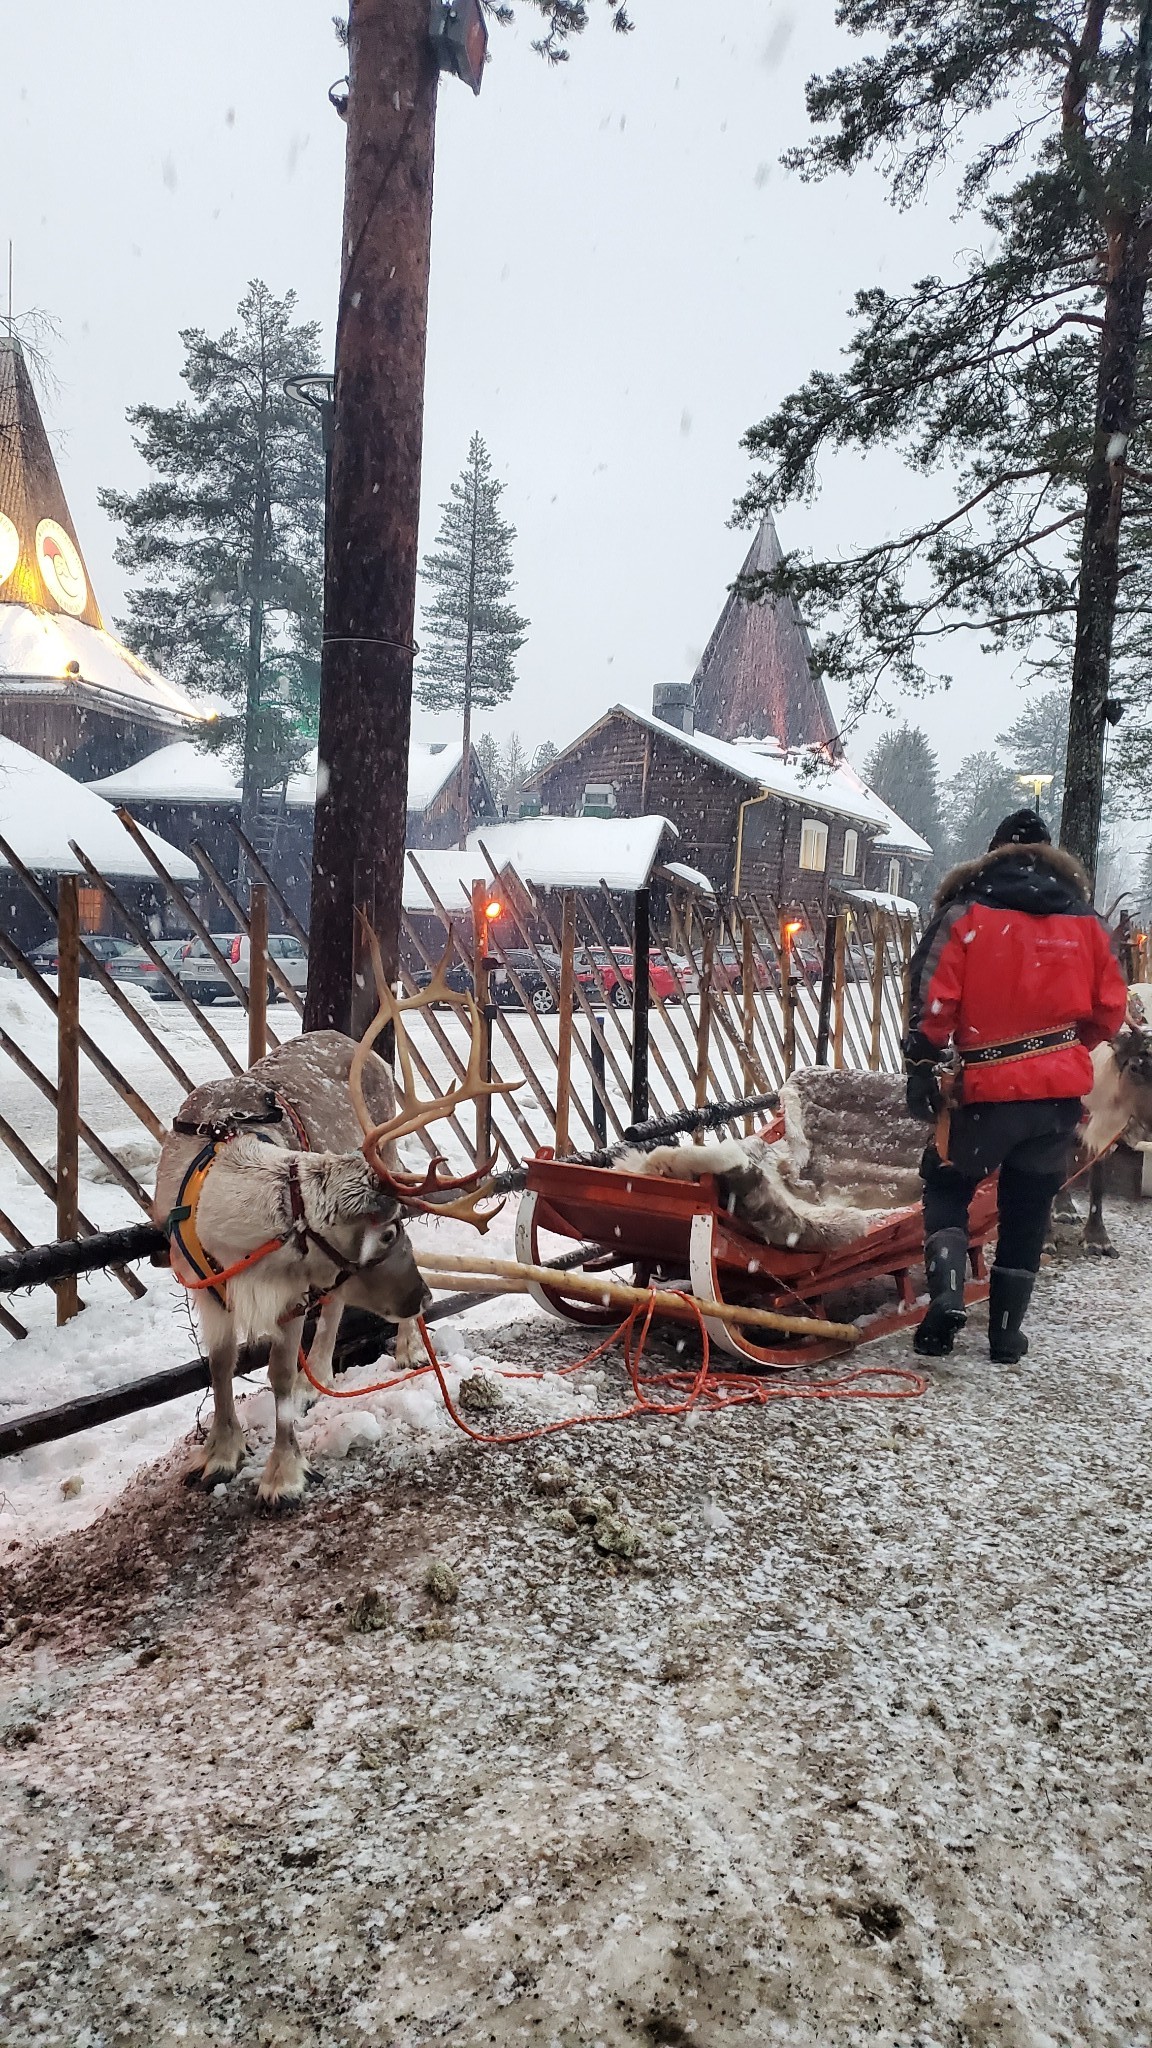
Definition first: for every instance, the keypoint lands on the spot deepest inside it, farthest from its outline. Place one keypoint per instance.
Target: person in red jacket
(1016, 973)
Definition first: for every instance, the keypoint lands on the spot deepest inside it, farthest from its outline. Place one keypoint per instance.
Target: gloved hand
(924, 1095)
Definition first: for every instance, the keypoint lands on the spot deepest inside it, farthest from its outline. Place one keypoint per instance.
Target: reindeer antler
(415, 1115)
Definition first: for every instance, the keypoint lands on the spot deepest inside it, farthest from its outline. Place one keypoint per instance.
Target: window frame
(817, 826)
(851, 838)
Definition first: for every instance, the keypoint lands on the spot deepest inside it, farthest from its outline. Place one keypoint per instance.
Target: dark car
(137, 968)
(46, 958)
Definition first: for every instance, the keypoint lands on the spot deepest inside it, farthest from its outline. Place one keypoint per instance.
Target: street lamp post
(1037, 784)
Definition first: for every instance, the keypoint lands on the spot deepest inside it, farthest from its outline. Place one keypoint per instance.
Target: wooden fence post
(257, 973)
(879, 963)
(906, 990)
(748, 992)
(564, 1036)
(482, 984)
(68, 1084)
(827, 984)
(787, 995)
(838, 990)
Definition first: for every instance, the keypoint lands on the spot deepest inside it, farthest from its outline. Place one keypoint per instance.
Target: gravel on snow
(852, 1749)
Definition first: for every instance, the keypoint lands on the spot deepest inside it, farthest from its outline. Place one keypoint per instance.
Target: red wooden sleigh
(677, 1233)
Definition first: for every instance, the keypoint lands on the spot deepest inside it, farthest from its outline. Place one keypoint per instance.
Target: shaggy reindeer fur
(245, 1201)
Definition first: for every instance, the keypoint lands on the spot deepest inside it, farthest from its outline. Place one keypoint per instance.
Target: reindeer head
(416, 1194)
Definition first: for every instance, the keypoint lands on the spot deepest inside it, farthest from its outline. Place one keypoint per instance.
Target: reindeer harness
(202, 1271)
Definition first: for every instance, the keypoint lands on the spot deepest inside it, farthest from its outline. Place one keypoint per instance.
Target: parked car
(202, 976)
(539, 976)
(46, 958)
(135, 967)
(670, 977)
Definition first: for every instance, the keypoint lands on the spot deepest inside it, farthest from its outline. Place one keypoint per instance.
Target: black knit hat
(1022, 828)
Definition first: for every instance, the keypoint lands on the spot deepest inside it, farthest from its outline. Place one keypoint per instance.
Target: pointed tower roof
(41, 562)
(755, 676)
(53, 646)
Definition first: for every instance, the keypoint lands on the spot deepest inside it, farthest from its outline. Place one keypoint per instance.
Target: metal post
(838, 990)
(374, 501)
(641, 1003)
(827, 985)
(879, 964)
(564, 1036)
(599, 1113)
(787, 996)
(704, 1026)
(68, 1083)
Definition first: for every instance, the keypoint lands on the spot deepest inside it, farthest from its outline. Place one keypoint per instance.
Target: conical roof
(755, 676)
(41, 562)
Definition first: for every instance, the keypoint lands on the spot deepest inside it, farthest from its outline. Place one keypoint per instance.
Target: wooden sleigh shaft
(679, 1228)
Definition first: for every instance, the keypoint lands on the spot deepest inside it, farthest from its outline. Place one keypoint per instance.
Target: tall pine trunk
(1125, 291)
(469, 646)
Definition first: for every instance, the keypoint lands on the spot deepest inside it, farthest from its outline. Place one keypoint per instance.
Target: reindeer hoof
(205, 1476)
(1101, 1251)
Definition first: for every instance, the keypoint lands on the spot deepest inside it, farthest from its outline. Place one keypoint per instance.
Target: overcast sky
(624, 279)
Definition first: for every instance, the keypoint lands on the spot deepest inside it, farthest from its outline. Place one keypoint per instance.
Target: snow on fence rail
(609, 1010)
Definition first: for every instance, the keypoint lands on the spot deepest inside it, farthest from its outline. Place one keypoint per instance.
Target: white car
(202, 977)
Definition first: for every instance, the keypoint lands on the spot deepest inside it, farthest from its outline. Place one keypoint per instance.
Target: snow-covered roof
(37, 647)
(577, 853)
(800, 775)
(692, 876)
(547, 853)
(41, 809)
(881, 899)
(186, 774)
(431, 763)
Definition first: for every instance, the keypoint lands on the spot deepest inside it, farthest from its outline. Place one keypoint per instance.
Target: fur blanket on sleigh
(849, 1159)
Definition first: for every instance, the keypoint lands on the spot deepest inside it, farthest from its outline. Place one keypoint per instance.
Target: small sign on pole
(459, 35)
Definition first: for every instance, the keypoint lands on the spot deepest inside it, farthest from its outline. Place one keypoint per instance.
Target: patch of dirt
(854, 1750)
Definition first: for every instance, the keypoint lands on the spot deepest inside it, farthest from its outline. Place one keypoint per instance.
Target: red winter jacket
(1015, 948)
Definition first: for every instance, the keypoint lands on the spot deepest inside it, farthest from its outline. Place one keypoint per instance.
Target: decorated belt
(1019, 1048)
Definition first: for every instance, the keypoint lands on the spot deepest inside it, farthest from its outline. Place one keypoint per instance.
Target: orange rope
(700, 1388)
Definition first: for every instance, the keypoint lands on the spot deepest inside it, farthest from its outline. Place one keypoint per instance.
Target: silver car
(202, 977)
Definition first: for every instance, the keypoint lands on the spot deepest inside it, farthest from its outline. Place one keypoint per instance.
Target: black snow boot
(946, 1267)
(1008, 1297)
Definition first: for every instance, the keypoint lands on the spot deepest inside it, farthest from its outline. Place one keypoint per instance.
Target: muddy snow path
(853, 1750)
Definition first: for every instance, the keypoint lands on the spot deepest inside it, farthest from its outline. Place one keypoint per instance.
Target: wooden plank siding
(653, 773)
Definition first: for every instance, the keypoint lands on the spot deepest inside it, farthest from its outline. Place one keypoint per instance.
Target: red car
(671, 983)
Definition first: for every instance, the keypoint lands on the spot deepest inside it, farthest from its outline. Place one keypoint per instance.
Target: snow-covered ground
(853, 1748)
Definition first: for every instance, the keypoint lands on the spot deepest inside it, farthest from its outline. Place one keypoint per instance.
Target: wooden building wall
(439, 824)
(65, 727)
(653, 773)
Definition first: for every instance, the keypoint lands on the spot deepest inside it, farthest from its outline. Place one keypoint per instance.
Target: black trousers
(1031, 1143)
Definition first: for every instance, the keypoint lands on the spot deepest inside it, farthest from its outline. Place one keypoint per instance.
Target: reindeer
(287, 1182)
(1119, 1104)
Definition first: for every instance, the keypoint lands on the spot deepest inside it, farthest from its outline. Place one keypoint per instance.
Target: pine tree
(472, 633)
(1037, 744)
(902, 769)
(1025, 378)
(974, 800)
(226, 540)
(545, 754)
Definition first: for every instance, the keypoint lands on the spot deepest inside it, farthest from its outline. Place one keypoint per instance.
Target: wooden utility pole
(374, 508)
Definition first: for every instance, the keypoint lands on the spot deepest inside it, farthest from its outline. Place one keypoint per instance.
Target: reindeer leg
(1096, 1238)
(225, 1448)
(285, 1475)
(410, 1350)
(320, 1356)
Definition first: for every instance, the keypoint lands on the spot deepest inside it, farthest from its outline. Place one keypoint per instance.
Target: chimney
(673, 704)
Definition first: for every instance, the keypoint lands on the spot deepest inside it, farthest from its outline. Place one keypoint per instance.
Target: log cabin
(788, 825)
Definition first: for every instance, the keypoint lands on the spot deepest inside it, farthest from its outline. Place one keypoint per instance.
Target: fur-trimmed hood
(1044, 880)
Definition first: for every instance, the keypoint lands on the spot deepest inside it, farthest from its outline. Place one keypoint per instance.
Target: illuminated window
(814, 846)
(851, 852)
(893, 877)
